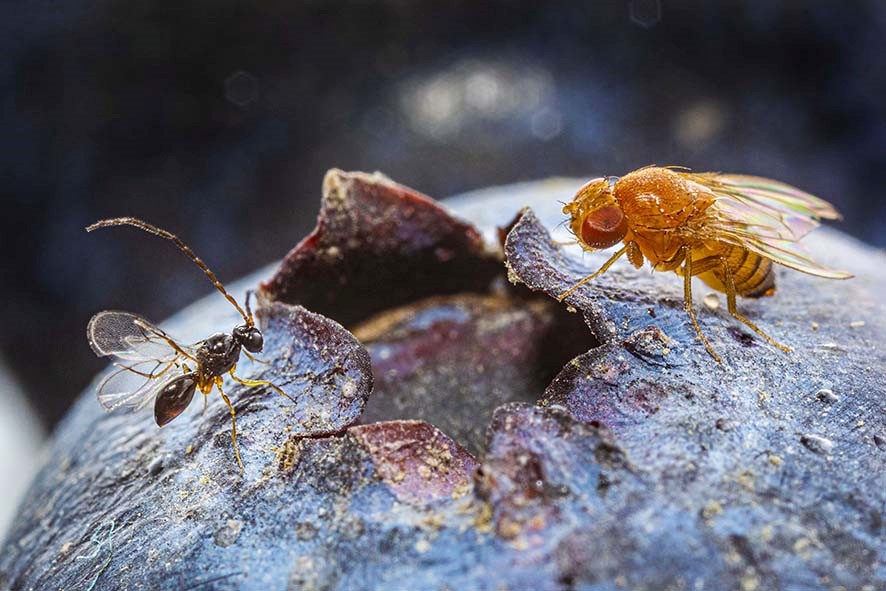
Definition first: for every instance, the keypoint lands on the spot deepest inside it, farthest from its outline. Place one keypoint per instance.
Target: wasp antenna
(150, 229)
(248, 309)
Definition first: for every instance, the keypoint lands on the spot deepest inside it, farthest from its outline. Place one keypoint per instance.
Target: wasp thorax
(219, 344)
(218, 354)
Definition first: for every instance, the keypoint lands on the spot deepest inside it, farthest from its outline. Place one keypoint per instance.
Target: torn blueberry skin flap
(467, 435)
(377, 245)
(610, 305)
(417, 461)
(321, 365)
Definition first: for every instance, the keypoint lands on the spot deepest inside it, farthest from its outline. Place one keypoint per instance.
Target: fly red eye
(604, 227)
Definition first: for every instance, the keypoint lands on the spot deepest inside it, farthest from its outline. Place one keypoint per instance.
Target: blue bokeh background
(218, 119)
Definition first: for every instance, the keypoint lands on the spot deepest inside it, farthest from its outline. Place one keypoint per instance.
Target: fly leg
(687, 303)
(733, 309)
(256, 383)
(594, 275)
(218, 382)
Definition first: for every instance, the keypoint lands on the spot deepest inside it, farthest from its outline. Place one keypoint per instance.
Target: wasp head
(249, 337)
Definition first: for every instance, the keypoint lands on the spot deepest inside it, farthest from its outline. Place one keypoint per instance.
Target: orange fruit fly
(725, 229)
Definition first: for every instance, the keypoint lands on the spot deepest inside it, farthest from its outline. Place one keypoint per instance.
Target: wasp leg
(256, 383)
(687, 304)
(733, 309)
(150, 375)
(233, 422)
(254, 359)
(594, 275)
(170, 342)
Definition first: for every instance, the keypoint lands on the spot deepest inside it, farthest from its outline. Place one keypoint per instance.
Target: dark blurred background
(217, 120)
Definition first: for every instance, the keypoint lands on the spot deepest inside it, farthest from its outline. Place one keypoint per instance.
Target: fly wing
(129, 337)
(765, 216)
(768, 208)
(784, 252)
(135, 385)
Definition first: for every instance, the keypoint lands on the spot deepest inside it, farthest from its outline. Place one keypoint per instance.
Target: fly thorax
(659, 198)
(654, 211)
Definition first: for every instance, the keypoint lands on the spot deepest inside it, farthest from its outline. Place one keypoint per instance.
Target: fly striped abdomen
(759, 283)
(752, 274)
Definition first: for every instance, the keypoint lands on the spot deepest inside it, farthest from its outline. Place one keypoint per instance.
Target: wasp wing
(765, 216)
(135, 385)
(145, 355)
(131, 338)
